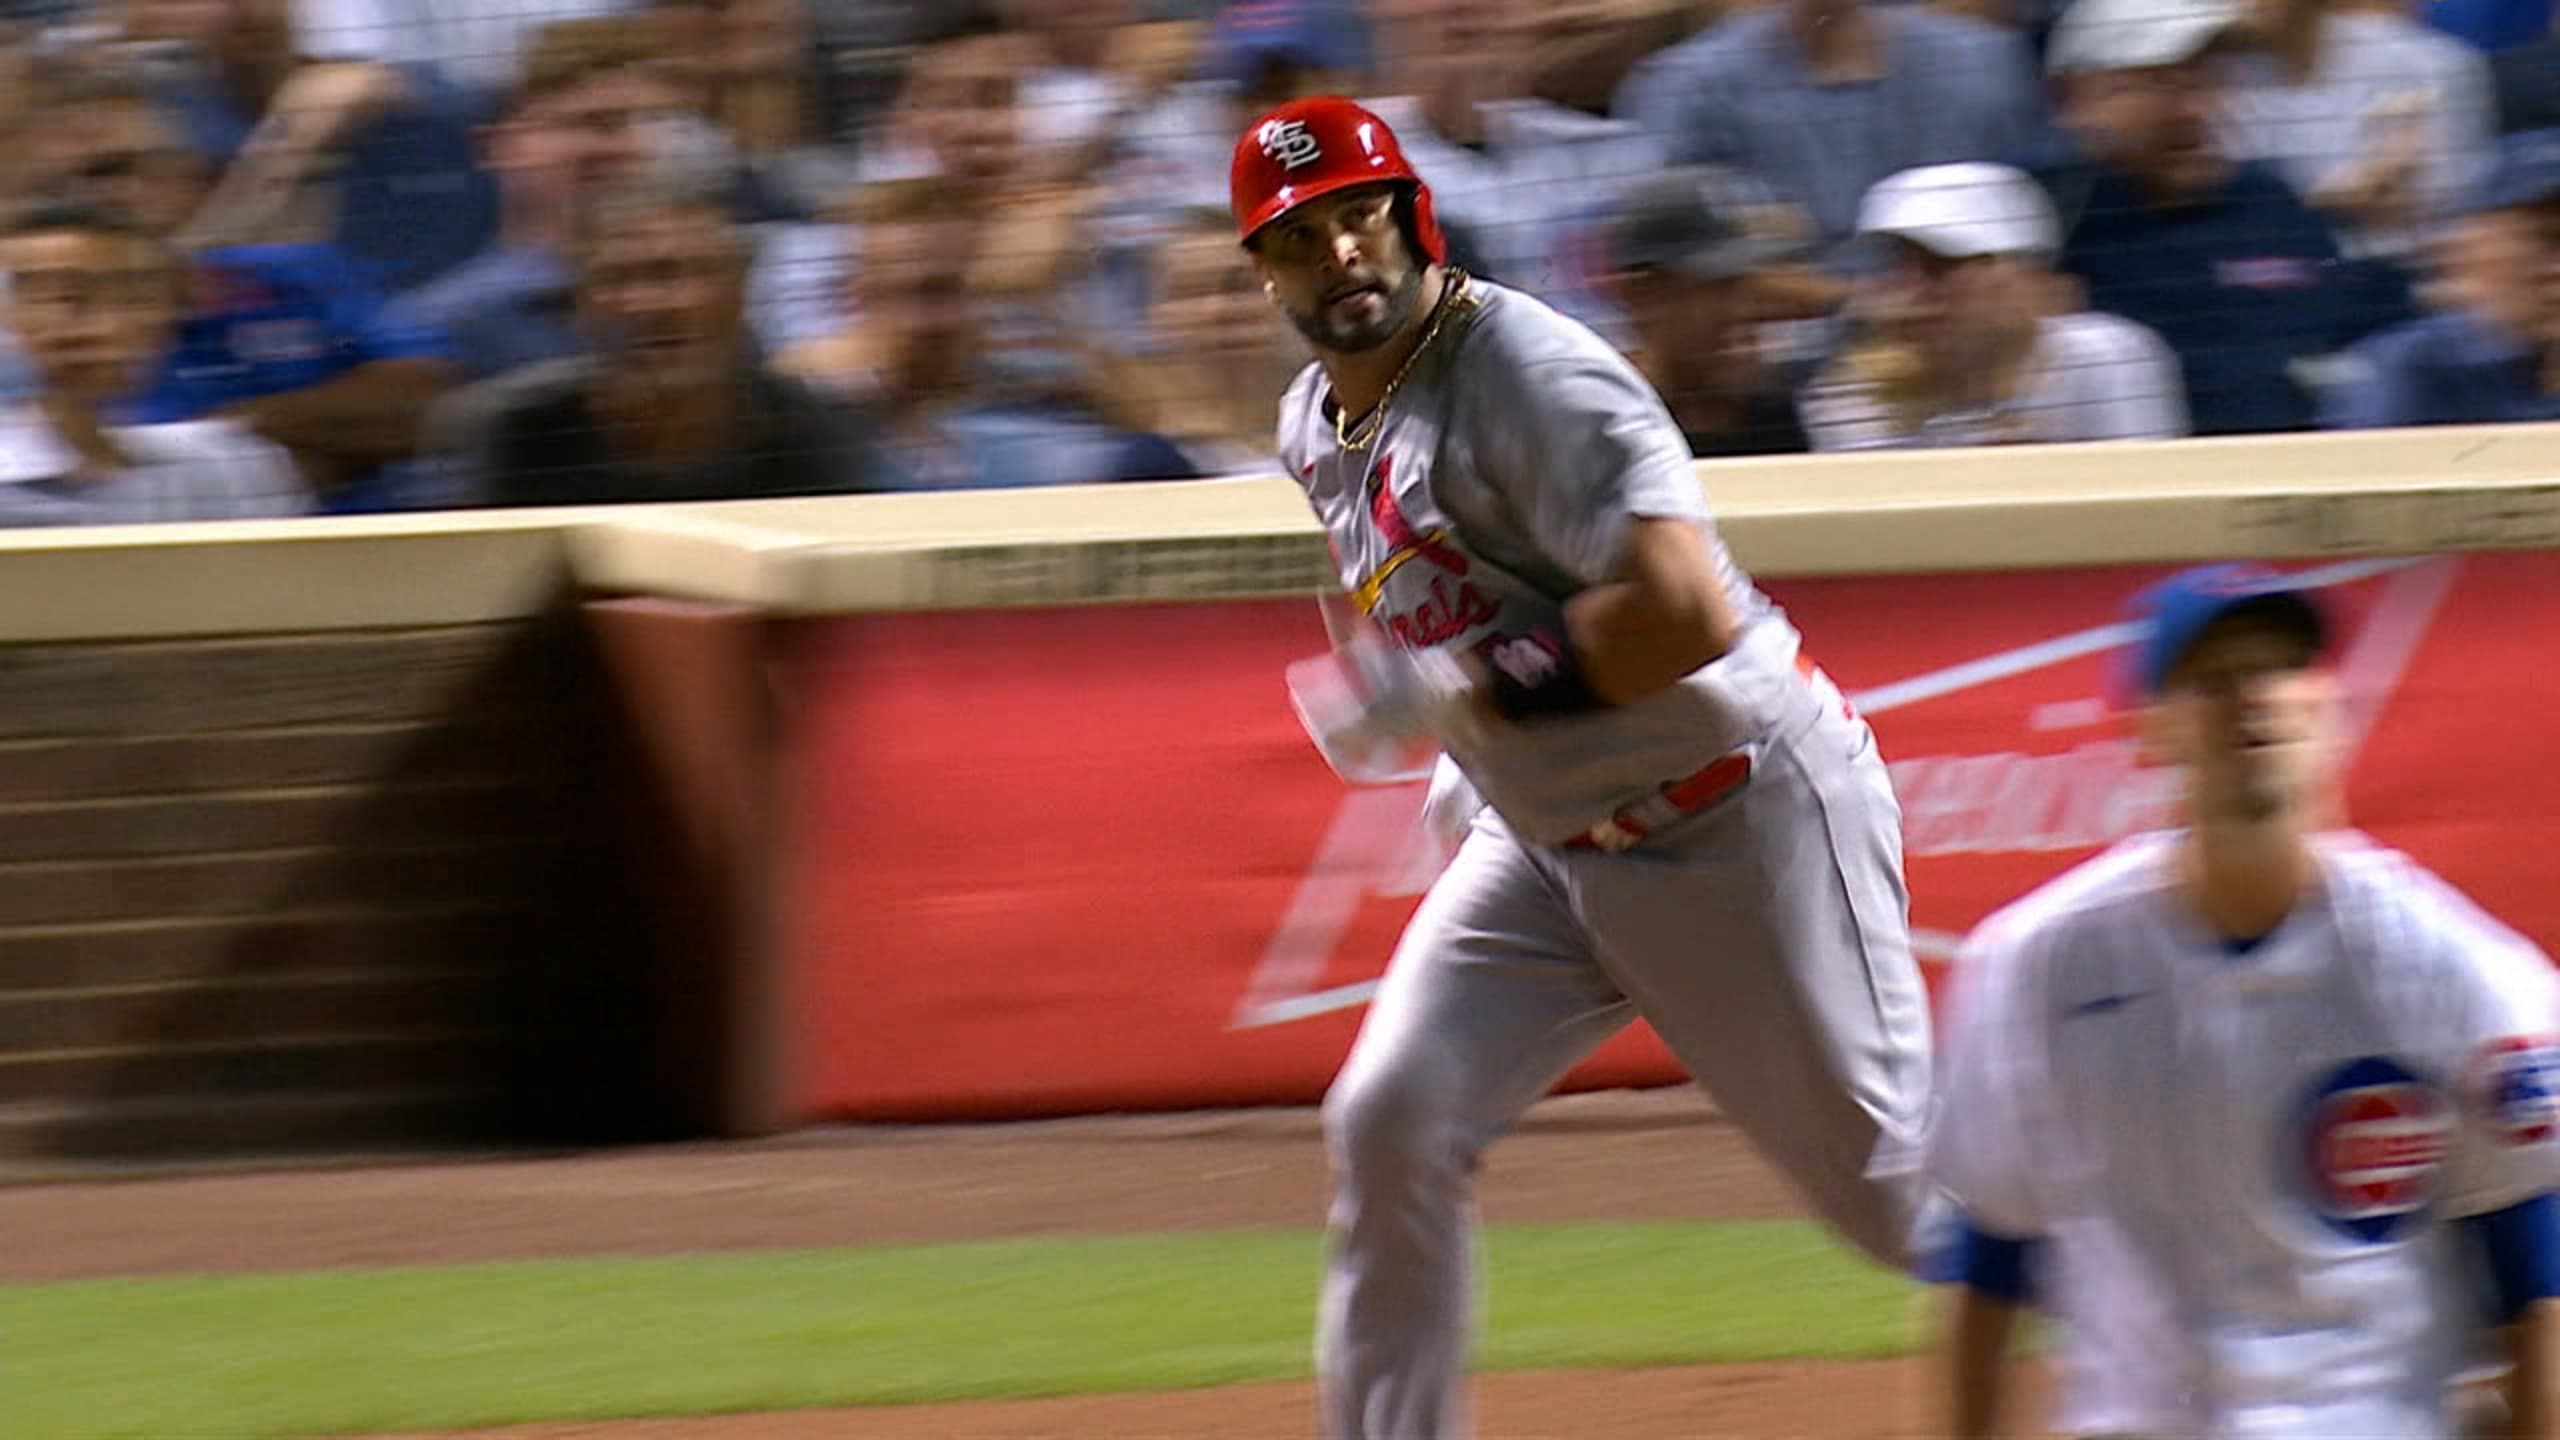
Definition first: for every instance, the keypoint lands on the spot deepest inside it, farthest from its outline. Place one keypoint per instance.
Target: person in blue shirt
(2243, 279)
(2492, 24)
(288, 339)
(2496, 356)
(380, 156)
(2525, 79)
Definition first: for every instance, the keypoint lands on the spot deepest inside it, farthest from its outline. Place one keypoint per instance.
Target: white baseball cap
(2135, 34)
(1962, 211)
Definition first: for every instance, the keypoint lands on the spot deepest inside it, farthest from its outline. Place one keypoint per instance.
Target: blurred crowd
(270, 257)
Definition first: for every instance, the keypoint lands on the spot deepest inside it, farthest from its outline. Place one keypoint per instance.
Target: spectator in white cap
(1966, 335)
(2163, 226)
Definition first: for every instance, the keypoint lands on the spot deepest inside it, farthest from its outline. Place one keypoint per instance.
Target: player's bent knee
(1388, 1120)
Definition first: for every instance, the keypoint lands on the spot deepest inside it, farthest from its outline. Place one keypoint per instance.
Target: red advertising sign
(1066, 861)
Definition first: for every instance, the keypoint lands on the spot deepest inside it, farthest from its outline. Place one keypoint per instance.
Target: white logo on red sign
(2516, 1081)
(2374, 1142)
(1290, 144)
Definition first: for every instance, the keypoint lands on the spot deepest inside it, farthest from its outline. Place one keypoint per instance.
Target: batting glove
(1369, 705)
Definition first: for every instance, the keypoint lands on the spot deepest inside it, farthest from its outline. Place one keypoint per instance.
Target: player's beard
(1403, 303)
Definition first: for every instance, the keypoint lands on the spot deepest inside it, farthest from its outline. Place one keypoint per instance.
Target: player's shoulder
(1518, 347)
(2106, 894)
(1301, 408)
(1519, 326)
(2415, 918)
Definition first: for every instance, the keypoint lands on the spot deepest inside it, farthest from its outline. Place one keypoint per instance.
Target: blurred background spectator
(1591, 45)
(983, 242)
(1201, 397)
(94, 298)
(671, 400)
(371, 158)
(2164, 227)
(1967, 338)
(2494, 354)
(1526, 183)
(289, 339)
(1258, 54)
(1823, 98)
(2526, 81)
(1705, 263)
(2377, 120)
(2493, 25)
(587, 113)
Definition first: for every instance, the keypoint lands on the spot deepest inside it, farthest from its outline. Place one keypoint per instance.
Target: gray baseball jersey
(1502, 480)
(1762, 934)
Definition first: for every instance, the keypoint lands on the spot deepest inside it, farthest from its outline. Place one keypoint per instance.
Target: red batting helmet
(1314, 147)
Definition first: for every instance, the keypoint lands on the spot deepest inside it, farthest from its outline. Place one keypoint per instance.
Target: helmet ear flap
(1421, 226)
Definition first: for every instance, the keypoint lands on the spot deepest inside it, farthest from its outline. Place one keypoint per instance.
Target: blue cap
(2171, 614)
(2524, 170)
(1318, 34)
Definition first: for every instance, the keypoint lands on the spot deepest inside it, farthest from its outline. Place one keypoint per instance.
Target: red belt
(1691, 793)
(1679, 799)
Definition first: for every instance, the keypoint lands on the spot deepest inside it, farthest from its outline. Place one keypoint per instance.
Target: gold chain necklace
(1355, 436)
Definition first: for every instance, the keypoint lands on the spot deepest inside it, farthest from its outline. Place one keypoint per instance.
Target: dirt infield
(1659, 1155)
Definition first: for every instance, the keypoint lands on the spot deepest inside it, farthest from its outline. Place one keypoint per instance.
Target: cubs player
(1680, 818)
(2264, 1110)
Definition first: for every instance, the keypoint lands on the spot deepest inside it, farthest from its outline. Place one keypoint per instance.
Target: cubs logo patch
(2372, 1142)
(2515, 1083)
(1290, 144)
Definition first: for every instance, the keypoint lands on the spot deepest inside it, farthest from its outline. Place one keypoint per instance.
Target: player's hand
(1374, 711)
(1414, 694)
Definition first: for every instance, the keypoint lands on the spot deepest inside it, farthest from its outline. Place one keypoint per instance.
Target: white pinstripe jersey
(2241, 1164)
(1502, 480)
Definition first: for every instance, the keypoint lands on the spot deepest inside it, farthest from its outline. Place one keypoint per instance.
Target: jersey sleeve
(2506, 1148)
(1979, 1143)
(1578, 448)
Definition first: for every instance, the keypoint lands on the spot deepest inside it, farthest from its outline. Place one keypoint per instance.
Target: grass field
(336, 1352)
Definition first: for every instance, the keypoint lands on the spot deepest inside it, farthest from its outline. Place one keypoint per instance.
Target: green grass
(338, 1352)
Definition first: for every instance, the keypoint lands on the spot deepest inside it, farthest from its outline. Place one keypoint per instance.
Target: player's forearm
(2533, 1408)
(1976, 1360)
(1664, 617)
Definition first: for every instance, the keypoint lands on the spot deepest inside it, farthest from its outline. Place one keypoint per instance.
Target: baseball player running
(2266, 1110)
(1680, 818)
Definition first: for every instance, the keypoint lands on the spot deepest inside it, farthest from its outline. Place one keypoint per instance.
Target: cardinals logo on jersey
(1449, 605)
(2515, 1082)
(2373, 1143)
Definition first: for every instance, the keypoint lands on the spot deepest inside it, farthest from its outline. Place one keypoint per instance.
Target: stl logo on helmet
(1290, 144)
(2374, 1139)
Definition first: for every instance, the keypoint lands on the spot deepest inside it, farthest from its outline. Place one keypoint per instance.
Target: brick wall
(324, 891)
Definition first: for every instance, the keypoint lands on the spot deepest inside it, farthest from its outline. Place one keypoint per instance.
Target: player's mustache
(1354, 286)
